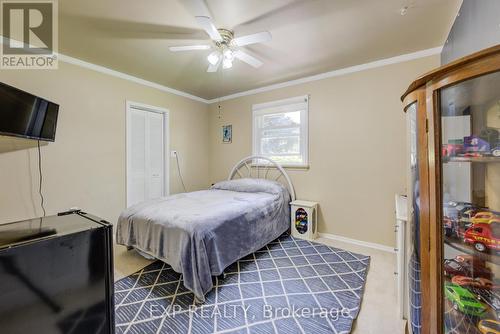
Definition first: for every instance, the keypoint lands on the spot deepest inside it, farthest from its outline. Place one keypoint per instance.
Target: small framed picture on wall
(227, 134)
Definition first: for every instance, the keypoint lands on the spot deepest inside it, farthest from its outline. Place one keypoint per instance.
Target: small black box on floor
(56, 275)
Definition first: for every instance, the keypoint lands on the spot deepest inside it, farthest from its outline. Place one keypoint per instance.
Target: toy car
(454, 228)
(448, 226)
(460, 205)
(476, 144)
(453, 208)
(489, 326)
(463, 300)
(496, 151)
(471, 260)
(492, 136)
(467, 215)
(456, 210)
(451, 150)
(483, 217)
(483, 236)
(453, 267)
(460, 228)
(489, 297)
(478, 282)
(450, 211)
(467, 258)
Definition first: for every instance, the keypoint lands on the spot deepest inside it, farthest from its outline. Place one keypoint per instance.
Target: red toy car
(453, 267)
(477, 282)
(483, 236)
(467, 258)
(451, 150)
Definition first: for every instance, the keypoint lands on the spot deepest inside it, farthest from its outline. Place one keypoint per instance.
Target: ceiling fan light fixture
(227, 63)
(224, 47)
(213, 58)
(228, 54)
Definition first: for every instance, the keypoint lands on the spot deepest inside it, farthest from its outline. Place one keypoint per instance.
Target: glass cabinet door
(470, 190)
(413, 195)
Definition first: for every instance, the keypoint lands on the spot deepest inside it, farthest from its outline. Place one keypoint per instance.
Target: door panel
(146, 140)
(137, 156)
(156, 155)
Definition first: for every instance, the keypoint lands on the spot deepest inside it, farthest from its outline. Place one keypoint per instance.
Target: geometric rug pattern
(289, 286)
(415, 294)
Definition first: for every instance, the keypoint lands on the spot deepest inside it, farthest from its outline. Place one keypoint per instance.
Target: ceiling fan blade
(213, 68)
(207, 24)
(189, 48)
(260, 37)
(250, 60)
(128, 29)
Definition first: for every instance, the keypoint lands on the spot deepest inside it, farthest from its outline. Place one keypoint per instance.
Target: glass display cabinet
(453, 118)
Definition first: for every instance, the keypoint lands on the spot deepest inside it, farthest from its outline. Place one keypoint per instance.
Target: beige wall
(85, 166)
(357, 146)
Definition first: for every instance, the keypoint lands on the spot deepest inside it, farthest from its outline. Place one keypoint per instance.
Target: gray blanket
(201, 233)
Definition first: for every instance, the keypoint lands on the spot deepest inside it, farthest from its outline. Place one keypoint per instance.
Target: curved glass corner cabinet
(453, 118)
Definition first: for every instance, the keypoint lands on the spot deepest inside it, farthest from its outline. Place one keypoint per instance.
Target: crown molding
(335, 73)
(105, 70)
(121, 75)
(321, 76)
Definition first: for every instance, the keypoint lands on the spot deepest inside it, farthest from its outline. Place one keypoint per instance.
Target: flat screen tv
(25, 115)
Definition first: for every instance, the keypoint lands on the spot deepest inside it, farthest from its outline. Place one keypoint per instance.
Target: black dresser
(56, 275)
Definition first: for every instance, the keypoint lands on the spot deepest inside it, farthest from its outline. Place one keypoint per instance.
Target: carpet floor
(289, 286)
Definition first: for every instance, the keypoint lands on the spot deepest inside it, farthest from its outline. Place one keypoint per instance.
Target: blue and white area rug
(289, 286)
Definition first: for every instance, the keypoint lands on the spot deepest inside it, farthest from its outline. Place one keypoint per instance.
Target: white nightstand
(304, 219)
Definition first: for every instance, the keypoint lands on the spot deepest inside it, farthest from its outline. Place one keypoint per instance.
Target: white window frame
(281, 106)
(166, 131)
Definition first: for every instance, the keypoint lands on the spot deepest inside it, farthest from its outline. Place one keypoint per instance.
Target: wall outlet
(173, 154)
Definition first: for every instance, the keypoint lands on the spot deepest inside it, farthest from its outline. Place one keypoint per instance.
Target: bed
(201, 233)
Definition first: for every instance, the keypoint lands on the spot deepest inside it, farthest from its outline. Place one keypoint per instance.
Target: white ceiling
(309, 37)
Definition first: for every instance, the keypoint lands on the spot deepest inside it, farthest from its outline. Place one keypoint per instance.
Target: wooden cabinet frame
(425, 91)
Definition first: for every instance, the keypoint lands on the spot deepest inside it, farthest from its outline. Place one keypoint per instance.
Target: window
(280, 131)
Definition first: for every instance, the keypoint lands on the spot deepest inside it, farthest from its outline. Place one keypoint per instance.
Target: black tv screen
(25, 115)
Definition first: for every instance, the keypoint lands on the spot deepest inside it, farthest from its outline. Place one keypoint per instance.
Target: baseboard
(358, 242)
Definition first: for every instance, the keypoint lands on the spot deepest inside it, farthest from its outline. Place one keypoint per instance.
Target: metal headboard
(255, 169)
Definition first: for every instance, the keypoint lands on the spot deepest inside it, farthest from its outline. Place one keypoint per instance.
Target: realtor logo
(29, 34)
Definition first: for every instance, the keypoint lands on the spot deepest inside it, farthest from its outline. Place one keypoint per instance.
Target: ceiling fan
(225, 46)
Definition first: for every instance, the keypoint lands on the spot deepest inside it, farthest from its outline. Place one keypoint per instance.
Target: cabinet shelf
(472, 159)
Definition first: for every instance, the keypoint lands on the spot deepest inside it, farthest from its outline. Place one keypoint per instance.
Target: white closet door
(145, 155)
(155, 150)
(136, 156)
